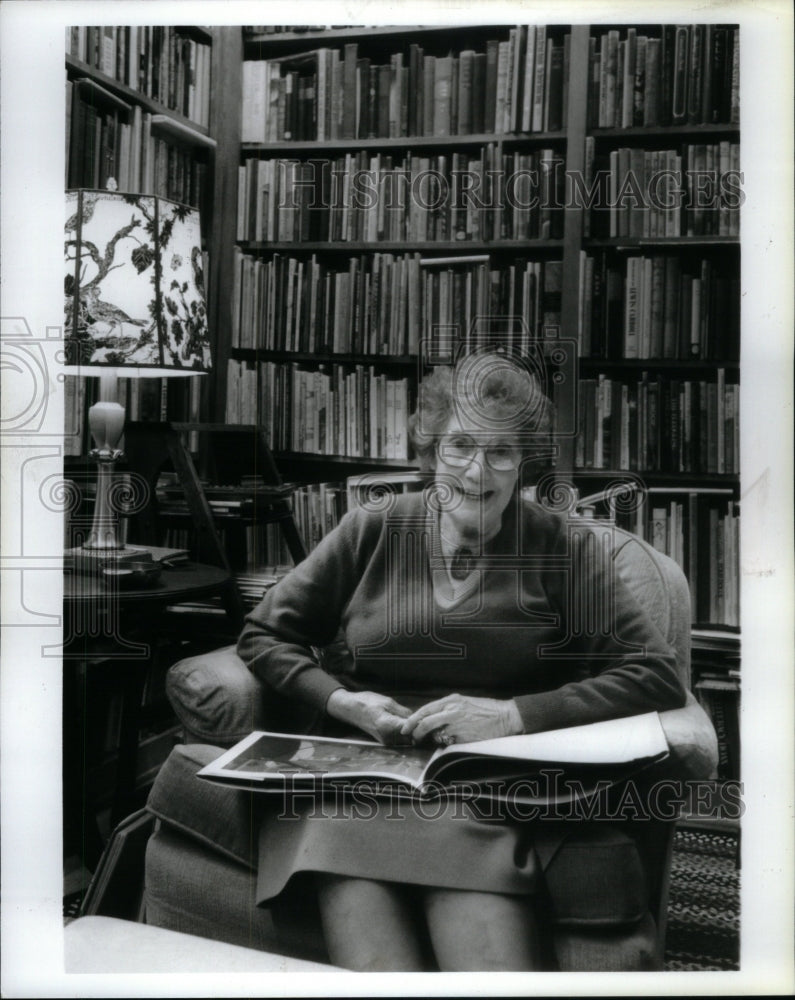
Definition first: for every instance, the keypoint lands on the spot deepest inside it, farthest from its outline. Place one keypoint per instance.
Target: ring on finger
(443, 738)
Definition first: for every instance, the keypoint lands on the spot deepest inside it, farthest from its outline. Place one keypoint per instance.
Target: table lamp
(134, 307)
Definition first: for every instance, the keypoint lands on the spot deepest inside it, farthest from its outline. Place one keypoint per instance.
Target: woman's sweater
(548, 622)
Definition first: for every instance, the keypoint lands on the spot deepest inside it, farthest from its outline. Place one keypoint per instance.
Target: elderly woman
(455, 604)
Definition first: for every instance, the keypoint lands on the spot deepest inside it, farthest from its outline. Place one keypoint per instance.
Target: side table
(118, 627)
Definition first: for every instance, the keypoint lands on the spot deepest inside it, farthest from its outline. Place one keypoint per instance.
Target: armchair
(606, 886)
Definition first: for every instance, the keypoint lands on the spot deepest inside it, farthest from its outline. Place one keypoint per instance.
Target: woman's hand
(463, 719)
(377, 714)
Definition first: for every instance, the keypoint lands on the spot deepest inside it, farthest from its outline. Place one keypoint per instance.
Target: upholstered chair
(605, 886)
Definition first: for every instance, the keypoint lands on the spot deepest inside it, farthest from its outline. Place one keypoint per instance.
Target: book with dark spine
(349, 87)
(696, 74)
(490, 95)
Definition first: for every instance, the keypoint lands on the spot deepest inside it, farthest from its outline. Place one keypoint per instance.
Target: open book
(590, 756)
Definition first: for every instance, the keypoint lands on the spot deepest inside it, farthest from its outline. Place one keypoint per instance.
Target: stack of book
(378, 304)
(375, 197)
(660, 193)
(317, 509)
(514, 85)
(659, 425)
(115, 140)
(163, 63)
(366, 305)
(658, 306)
(676, 74)
(335, 410)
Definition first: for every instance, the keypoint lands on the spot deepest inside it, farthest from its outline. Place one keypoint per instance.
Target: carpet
(704, 903)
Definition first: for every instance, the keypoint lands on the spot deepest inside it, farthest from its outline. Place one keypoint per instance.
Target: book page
(616, 741)
(275, 756)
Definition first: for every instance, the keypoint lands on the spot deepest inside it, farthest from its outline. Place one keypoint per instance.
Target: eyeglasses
(459, 450)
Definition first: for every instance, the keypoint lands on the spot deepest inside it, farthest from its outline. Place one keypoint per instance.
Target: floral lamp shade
(134, 285)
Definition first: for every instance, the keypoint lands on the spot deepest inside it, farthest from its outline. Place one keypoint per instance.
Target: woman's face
(481, 470)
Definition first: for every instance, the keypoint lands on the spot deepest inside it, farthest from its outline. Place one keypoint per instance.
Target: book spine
(539, 94)
(490, 97)
(681, 71)
(350, 57)
(465, 82)
(696, 76)
(555, 100)
(632, 308)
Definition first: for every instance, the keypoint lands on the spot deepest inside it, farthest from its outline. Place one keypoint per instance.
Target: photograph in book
(602, 752)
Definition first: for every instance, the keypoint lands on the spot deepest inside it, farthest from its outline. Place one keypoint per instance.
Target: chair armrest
(692, 742)
(220, 701)
(216, 697)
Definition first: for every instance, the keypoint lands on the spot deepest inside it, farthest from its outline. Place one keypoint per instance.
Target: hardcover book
(590, 757)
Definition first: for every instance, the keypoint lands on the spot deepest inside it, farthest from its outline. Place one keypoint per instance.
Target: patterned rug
(704, 903)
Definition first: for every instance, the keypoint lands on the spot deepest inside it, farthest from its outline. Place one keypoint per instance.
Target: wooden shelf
(263, 354)
(121, 90)
(311, 457)
(660, 242)
(326, 146)
(683, 131)
(400, 246)
(657, 364)
(361, 33)
(179, 131)
(689, 482)
(715, 638)
(100, 95)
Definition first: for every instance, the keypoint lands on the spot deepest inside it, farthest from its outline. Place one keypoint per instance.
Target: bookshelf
(659, 295)
(374, 138)
(658, 319)
(330, 164)
(652, 292)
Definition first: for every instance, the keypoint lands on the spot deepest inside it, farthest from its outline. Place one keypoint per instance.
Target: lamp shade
(134, 286)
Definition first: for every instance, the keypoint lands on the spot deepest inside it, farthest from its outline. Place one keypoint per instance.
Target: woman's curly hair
(489, 391)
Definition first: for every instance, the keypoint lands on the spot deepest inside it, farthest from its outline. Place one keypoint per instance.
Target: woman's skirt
(437, 841)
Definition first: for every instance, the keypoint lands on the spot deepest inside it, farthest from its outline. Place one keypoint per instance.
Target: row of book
(105, 142)
(683, 74)
(386, 304)
(163, 63)
(694, 191)
(659, 425)
(701, 532)
(318, 507)
(658, 306)
(359, 196)
(328, 409)
(516, 85)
